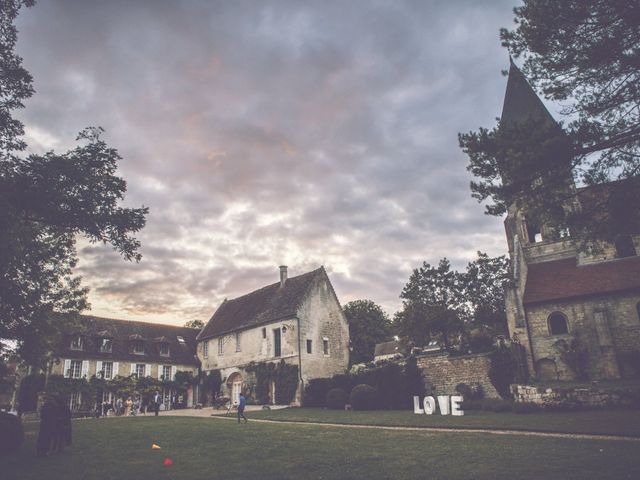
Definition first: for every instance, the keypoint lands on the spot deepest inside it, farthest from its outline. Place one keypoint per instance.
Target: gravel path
(577, 436)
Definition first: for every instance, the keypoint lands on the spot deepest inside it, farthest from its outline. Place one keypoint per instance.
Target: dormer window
(180, 340)
(138, 347)
(106, 345)
(164, 349)
(77, 343)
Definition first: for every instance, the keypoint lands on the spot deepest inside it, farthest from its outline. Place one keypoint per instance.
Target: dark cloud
(304, 133)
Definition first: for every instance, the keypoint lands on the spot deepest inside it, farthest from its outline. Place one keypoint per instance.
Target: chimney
(283, 275)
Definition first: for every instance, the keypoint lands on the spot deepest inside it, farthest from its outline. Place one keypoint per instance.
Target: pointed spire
(520, 100)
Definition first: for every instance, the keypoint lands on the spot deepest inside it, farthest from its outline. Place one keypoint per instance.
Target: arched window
(557, 324)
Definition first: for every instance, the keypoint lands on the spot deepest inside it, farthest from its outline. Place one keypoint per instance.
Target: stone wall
(620, 320)
(442, 373)
(574, 398)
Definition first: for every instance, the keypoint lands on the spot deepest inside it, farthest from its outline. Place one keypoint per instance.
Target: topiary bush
(364, 397)
(315, 392)
(336, 399)
(11, 433)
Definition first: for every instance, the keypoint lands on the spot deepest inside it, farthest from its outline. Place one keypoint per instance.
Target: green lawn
(617, 422)
(208, 448)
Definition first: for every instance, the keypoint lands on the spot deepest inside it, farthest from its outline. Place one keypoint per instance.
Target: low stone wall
(574, 398)
(442, 373)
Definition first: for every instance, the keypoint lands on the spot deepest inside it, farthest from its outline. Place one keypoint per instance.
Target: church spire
(520, 100)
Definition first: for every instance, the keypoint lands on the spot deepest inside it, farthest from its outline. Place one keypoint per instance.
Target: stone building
(297, 320)
(561, 293)
(107, 348)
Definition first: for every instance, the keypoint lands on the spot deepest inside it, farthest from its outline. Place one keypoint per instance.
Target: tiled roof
(124, 333)
(563, 279)
(267, 304)
(387, 348)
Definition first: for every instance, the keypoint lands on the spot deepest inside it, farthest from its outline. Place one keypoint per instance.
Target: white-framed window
(140, 370)
(309, 346)
(77, 343)
(325, 346)
(107, 370)
(205, 349)
(164, 349)
(238, 341)
(106, 345)
(166, 372)
(180, 340)
(75, 400)
(75, 369)
(138, 347)
(220, 346)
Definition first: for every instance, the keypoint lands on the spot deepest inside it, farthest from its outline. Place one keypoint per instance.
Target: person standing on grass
(241, 403)
(47, 427)
(156, 403)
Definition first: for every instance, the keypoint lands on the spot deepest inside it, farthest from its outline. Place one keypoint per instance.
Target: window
(75, 400)
(277, 343)
(205, 349)
(325, 346)
(264, 333)
(533, 232)
(237, 341)
(76, 343)
(220, 346)
(139, 372)
(181, 340)
(557, 324)
(106, 344)
(164, 349)
(309, 346)
(107, 370)
(138, 347)
(166, 372)
(75, 368)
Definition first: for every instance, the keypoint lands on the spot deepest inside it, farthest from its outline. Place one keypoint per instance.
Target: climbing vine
(285, 377)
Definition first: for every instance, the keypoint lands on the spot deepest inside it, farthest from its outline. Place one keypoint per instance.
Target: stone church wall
(442, 373)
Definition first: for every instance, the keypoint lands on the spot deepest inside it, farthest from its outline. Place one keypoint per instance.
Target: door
(235, 392)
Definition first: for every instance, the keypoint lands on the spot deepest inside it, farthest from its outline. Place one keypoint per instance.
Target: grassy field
(618, 422)
(206, 448)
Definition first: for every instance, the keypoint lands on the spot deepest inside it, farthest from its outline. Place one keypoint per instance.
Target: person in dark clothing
(156, 403)
(241, 403)
(62, 435)
(47, 427)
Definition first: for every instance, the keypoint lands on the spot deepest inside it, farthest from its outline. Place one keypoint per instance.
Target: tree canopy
(443, 304)
(194, 324)
(368, 325)
(47, 202)
(586, 54)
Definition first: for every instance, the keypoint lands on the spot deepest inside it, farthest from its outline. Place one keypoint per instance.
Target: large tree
(47, 202)
(443, 304)
(368, 325)
(586, 54)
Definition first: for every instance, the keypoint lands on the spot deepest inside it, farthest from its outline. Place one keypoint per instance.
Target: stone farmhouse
(561, 293)
(106, 348)
(297, 320)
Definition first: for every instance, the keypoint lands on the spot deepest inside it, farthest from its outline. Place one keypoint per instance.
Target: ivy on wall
(284, 376)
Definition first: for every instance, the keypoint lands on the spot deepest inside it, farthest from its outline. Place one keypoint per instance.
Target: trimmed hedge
(11, 433)
(336, 399)
(364, 397)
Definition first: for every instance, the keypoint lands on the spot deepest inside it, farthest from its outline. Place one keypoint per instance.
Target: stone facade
(574, 398)
(313, 333)
(442, 373)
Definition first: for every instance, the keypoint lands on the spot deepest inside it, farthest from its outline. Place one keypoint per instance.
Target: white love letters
(447, 405)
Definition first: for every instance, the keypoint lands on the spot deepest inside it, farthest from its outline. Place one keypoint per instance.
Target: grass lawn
(618, 422)
(207, 448)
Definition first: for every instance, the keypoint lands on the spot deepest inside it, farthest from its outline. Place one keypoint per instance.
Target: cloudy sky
(268, 133)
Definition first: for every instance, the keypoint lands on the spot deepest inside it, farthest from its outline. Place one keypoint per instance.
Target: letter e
(456, 400)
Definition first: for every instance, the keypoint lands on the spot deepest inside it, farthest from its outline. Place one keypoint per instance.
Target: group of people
(55, 426)
(129, 406)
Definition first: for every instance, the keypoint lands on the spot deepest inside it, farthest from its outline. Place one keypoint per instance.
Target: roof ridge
(137, 322)
(270, 285)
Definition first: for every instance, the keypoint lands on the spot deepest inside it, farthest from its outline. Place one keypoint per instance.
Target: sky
(259, 134)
